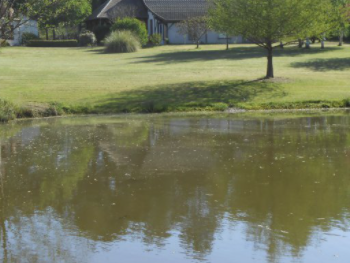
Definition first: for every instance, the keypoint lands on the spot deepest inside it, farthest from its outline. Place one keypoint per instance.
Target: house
(161, 17)
(30, 26)
(27, 26)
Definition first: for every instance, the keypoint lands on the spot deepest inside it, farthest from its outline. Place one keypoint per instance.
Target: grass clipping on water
(122, 42)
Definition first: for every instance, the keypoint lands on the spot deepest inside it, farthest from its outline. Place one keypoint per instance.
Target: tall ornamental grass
(122, 42)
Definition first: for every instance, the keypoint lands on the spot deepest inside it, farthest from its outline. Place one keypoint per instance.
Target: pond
(176, 188)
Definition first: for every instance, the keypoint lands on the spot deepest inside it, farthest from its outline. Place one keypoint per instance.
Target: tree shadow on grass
(189, 96)
(236, 53)
(97, 50)
(324, 64)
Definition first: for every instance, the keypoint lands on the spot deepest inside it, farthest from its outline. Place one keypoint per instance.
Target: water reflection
(175, 188)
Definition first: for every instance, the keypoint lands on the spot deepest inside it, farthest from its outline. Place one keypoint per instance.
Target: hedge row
(52, 43)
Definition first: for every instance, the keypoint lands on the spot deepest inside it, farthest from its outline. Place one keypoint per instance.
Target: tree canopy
(270, 23)
(195, 28)
(68, 12)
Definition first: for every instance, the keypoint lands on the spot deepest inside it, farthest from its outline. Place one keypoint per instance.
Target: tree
(15, 13)
(195, 28)
(222, 25)
(267, 23)
(342, 17)
(66, 12)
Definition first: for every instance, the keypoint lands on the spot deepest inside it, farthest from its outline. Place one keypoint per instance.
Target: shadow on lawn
(189, 96)
(324, 64)
(98, 51)
(236, 53)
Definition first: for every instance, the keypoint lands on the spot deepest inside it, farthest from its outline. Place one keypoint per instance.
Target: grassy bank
(42, 81)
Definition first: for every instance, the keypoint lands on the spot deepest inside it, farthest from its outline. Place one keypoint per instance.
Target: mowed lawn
(171, 78)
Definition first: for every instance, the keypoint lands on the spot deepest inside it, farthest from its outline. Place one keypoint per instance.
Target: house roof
(168, 10)
(177, 10)
(109, 8)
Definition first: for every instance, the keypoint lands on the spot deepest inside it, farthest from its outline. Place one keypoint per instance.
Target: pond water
(176, 188)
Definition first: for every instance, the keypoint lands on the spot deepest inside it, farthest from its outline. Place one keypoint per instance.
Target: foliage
(194, 28)
(87, 38)
(220, 106)
(27, 36)
(4, 43)
(135, 26)
(67, 12)
(155, 39)
(267, 23)
(7, 111)
(122, 42)
(342, 18)
(52, 43)
(101, 32)
(15, 13)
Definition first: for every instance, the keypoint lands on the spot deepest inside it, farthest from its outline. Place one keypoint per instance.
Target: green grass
(173, 78)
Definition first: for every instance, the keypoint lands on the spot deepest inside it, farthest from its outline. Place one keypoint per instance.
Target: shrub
(122, 42)
(52, 43)
(155, 40)
(7, 111)
(4, 43)
(220, 106)
(87, 38)
(135, 26)
(26, 37)
(101, 32)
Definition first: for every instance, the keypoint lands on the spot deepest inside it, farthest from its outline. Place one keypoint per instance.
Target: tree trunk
(301, 43)
(47, 33)
(323, 38)
(341, 38)
(197, 44)
(227, 43)
(54, 34)
(307, 43)
(281, 45)
(2, 213)
(270, 74)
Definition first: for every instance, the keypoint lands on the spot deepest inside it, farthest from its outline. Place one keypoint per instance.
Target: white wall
(175, 38)
(31, 26)
(210, 38)
(156, 25)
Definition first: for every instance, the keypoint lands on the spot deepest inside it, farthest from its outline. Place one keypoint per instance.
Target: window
(151, 27)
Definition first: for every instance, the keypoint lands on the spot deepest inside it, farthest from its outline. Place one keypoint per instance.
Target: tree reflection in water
(70, 185)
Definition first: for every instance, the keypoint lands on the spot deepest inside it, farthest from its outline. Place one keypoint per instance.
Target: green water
(176, 188)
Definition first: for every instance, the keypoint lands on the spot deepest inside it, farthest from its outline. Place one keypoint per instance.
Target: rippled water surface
(163, 189)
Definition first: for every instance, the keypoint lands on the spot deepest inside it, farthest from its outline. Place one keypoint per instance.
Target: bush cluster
(155, 40)
(122, 42)
(26, 37)
(52, 43)
(7, 111)
(135, 26)
(87, 38)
